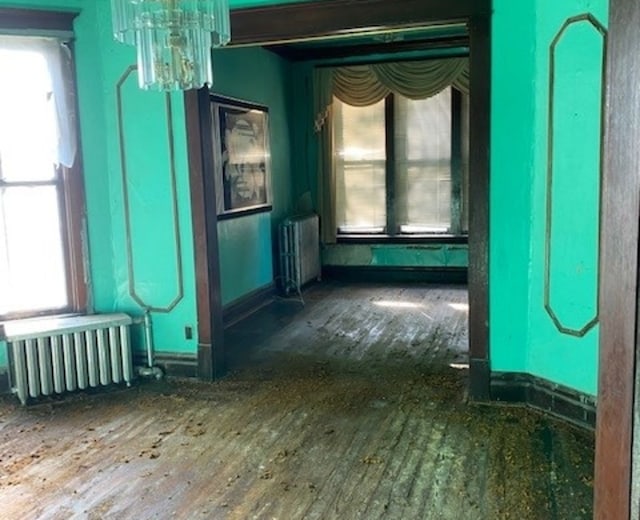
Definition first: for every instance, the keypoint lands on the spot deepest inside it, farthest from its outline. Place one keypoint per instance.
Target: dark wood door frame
(618, 303)
(211, 354)
(312, 20)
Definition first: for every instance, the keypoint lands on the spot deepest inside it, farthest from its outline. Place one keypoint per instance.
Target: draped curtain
(323, 126)
(364, 85)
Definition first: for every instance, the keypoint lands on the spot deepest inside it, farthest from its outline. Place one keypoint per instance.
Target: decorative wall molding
(127, 210)
(592, 321)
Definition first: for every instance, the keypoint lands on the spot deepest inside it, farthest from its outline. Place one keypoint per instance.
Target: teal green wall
(145, 130)
(248, 244)
(100, 63)
(523, 336)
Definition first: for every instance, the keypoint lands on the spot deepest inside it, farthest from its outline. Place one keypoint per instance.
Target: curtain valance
(363, 85)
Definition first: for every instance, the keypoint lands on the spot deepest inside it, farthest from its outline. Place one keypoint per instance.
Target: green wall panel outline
(573, 202)
(133, 290)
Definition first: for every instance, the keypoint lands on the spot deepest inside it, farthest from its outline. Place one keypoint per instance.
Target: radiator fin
(67, 354)
(299, 240)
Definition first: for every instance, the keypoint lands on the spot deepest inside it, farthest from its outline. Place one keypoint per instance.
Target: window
(40, 257)
(401, 166)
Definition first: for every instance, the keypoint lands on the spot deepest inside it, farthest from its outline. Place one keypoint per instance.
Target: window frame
(69, 182)
(392, 232)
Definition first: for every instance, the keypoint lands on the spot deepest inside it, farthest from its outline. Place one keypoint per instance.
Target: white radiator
(70, 353)
(299, 252)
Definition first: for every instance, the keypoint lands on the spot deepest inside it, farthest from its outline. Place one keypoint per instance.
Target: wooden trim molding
(392, 274)
(211, 358)
(309, 20)
(479, 181)
(19, 19)
(538, 393)
(456, 45)
(618, 300)
(172, 364)
(247, 304)
(5, 384)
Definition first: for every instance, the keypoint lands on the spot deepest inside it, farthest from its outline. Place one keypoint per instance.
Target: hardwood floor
(370, 323)
(353, 422)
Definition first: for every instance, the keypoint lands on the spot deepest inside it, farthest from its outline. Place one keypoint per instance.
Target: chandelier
(173, 39)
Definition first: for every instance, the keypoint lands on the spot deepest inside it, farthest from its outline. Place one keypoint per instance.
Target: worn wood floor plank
(345, 408)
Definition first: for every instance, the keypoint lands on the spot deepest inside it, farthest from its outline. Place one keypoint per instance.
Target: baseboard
(557, 400)
(172, 364)
(247, 304)
(391, 274)
(5, 382)
(479, 380)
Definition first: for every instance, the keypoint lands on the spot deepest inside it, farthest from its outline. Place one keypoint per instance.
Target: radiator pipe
(148, 338)
(150, 370)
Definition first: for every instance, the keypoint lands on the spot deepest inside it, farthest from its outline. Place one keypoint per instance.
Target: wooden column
(211, 354)
(619, 264)
(479, 171)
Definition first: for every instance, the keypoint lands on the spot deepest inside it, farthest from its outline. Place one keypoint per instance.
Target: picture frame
(242, 157)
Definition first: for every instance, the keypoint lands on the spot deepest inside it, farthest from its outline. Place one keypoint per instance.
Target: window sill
(401, 239)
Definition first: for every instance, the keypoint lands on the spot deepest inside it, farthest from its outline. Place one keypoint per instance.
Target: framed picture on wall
(242, 159)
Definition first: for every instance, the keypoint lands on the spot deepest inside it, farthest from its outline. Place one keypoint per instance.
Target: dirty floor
(367, 427)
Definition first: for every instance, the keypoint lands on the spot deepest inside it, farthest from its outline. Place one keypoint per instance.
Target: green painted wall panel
(513, 109)
(151, 193)
(93, 128)
(154, 260)
(432, 255)
(245, 263)
(552, 355)
(248, 244)
(573, 182)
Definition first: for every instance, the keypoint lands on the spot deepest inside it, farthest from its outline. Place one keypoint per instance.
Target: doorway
(260, 26)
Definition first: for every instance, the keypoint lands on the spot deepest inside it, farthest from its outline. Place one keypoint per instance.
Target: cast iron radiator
(65, 354)
(299, 252)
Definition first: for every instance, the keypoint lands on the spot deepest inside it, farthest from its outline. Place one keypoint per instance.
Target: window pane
(423, 163)
(27, 126)
(360, 168)
(32, 267)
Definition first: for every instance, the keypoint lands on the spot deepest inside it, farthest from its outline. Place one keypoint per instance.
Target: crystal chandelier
(173, 38)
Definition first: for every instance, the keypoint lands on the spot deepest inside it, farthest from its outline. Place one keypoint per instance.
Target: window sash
(63, 219)
(428, 212)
